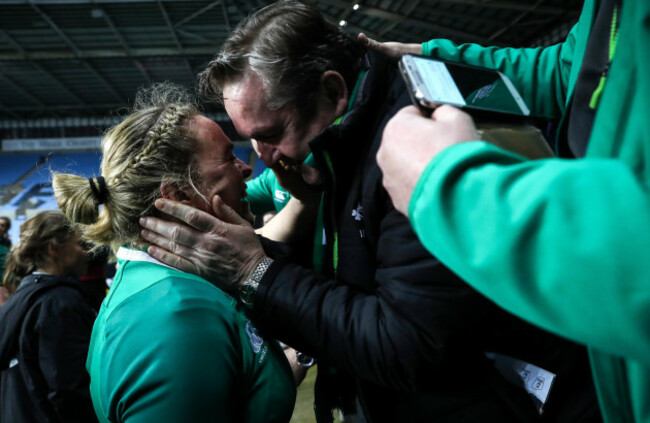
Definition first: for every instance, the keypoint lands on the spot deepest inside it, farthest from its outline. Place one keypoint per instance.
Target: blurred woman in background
(45, 326)
(5, 225)
(5, 246)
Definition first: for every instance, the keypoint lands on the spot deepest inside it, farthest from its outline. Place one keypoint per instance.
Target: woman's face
(221, 172)
(4, 227)
(72, 256)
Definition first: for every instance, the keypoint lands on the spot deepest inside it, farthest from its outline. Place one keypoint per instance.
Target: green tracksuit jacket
(564, 244)
(169, 347)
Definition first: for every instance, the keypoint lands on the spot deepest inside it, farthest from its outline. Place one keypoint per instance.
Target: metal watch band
(248, 289)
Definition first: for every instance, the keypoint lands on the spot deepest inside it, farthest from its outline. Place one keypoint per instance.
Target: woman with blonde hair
(167, 345)
(45, 326)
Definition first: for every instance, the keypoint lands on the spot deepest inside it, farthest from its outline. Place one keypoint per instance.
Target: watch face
(246, 294)
(304, 359)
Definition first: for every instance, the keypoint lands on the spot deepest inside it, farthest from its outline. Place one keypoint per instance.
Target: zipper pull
(595, 97)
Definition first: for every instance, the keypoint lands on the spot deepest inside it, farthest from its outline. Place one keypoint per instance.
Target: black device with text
(485, 94)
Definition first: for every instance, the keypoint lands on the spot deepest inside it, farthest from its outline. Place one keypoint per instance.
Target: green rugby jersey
(168, 346)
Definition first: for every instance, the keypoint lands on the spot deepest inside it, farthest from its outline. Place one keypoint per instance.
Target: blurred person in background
(45, 326)
(5, 225)
(5, 246)
(94, 280)
(169, 346)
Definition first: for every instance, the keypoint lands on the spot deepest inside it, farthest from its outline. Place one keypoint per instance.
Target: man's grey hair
(289, 45)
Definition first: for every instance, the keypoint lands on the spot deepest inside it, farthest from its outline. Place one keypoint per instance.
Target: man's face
(221, 172)
(281, 133)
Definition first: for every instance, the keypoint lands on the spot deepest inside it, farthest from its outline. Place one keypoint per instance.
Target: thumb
(371, 44)
(363, 40)
(225, 213)
(446, 112)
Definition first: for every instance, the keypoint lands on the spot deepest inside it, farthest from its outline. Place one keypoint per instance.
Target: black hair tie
(100, 192)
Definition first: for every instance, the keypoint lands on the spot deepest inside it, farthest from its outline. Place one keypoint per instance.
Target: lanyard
(613, 38)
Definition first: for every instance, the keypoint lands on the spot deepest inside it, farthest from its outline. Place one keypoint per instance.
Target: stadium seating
(25, 182)
(25, 179)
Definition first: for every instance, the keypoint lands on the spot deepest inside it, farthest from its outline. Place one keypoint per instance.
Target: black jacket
(44, 336)
(410, 331)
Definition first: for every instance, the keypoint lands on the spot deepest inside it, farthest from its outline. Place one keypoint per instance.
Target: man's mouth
(287, 161)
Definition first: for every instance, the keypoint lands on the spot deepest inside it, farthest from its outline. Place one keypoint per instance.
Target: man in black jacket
(389, 324)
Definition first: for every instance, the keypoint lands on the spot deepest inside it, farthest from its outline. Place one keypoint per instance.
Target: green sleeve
(562, 244)
(541, 75)
(259, 192)
(188, 365)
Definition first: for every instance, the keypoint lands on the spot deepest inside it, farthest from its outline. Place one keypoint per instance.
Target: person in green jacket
(561, 243)
(168, 346)
(266, 194)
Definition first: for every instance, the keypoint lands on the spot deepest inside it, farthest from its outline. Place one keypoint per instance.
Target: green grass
(303, 412)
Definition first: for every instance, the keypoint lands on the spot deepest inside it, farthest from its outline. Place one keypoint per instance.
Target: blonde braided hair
(150, 145)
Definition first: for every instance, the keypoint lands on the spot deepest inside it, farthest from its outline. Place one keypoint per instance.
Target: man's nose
(265, 151)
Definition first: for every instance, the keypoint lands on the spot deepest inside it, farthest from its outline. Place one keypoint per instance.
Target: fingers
(310, 175)
(408, 114)
(167, 232)
(224, 212)
(169, 242)
(442, 112)
(410, 110)
(197, 219)
(172, 259)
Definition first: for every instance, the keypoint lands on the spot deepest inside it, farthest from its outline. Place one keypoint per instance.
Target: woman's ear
(173, 190)
(335, 90)
(52, 249)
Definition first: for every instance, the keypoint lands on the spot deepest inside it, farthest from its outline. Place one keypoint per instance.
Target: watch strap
(248, 289)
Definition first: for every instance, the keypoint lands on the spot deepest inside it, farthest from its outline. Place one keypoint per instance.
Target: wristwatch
(248, 289)
(305, 360)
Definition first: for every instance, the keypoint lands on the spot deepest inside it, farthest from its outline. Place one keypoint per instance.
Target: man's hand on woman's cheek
(222, 249)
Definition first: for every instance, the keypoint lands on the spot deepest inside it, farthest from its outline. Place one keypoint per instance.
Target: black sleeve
(419, 322)
(299, 253)
(64, 338)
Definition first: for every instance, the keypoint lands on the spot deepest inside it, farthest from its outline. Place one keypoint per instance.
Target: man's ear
(173, 190)
(335, 90)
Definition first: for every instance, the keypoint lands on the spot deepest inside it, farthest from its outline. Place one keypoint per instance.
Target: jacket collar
(347, 141)
(44, 278)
